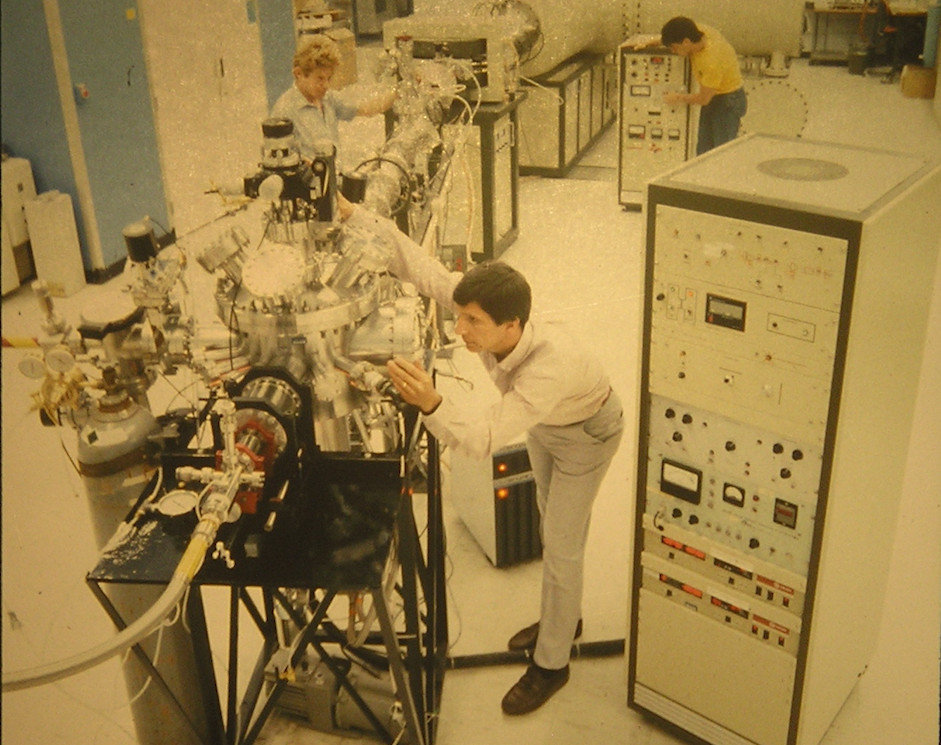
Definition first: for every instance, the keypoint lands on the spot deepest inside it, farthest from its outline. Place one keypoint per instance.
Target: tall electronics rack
(786, 300)
(653, 137)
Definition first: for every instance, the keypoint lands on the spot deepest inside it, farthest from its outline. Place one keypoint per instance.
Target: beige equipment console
(787, 292)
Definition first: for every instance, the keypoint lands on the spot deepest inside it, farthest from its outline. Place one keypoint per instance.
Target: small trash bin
(857, 59)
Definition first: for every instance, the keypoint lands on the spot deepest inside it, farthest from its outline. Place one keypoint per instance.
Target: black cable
(403, 193)
(608, 648)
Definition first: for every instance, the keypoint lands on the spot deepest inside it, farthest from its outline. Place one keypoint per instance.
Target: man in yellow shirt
(715, 67)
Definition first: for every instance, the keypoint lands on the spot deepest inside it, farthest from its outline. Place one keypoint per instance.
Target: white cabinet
(54, 239)
(18, 189)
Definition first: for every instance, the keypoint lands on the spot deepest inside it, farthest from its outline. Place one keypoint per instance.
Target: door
(208, 88)
(114, 117)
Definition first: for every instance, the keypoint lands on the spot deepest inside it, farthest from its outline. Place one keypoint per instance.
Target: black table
(370, 545)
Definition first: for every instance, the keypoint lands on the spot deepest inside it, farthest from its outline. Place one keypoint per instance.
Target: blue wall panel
(32, 123)
(105, 53)
(277, 45)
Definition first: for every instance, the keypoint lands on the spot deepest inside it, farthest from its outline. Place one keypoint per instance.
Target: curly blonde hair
(317, 51)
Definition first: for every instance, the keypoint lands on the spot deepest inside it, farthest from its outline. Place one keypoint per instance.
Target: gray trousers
(568, 464)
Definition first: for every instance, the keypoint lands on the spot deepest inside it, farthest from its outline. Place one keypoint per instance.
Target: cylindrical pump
(279, 148)
(112, 455)
(140, 241)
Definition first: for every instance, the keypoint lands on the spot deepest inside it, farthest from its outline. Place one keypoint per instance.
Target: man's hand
(414, 384)
(671, 98)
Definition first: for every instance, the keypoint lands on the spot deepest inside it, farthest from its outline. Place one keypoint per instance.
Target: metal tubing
(609, 648)
(144, 658)
(397, 667)
(204, 665)
(231, 720)
(409, 549)
(436, 642)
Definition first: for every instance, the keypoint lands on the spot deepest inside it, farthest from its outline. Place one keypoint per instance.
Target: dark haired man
(715, 66)
(551, 390)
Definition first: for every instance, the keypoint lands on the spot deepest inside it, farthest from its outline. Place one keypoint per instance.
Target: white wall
(752, 27)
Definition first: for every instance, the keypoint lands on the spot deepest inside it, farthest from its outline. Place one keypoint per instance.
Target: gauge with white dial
(177, 502)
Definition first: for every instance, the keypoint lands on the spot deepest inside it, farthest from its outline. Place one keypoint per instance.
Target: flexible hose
(189, 564)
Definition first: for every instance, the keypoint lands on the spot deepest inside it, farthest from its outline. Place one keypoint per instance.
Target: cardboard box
(918, 82)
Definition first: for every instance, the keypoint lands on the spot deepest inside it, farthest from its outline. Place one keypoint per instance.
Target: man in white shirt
(551, 390)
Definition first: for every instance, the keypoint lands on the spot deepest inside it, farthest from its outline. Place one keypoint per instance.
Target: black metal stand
(416, 656)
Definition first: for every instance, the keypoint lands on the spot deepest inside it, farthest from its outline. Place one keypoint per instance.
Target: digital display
(673, 543)
(694, 591)
(729, 567)
(726, 312)
(640, 90)
(726, 606)
(785, 513)
(680, 481)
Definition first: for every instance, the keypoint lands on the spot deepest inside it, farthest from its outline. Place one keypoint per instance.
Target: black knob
(669, 413)
(353, 187)
(753, 543)
(778, 447)
(693, 519)
(785, 473)
(677, 512)
(729, 445)
(687, 418)
(277, 127)
(677, 436)
(797, 455)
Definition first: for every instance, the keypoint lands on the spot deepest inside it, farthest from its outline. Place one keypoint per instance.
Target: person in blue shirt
(312, 106)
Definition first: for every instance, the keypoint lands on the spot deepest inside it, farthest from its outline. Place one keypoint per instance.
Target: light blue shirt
(313, 123)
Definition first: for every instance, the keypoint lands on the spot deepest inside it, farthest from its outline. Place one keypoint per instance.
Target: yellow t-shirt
(716, 66)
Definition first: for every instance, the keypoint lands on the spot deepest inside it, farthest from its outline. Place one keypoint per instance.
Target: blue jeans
(719, 120)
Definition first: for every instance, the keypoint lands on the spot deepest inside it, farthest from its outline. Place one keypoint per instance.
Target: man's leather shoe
(534, 689)
(526, 639)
